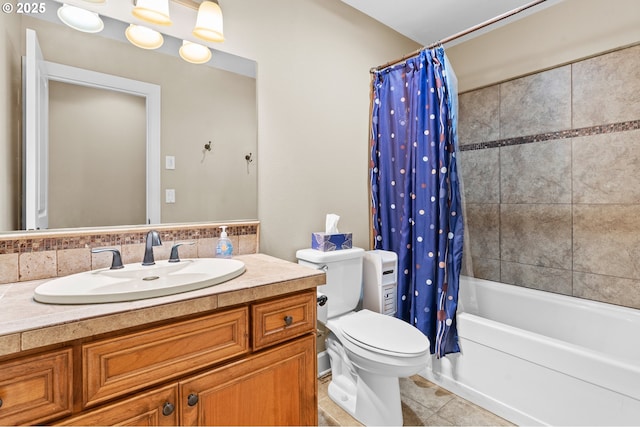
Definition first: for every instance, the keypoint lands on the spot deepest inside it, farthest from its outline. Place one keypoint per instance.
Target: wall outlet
(170, 195)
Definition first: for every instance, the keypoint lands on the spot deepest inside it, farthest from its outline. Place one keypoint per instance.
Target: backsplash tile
(247, 244)
(41, 255)
(8, 268)
(207, 247)
(37, 265)
(71, 261)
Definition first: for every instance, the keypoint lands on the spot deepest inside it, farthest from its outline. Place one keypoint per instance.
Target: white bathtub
(535, 357)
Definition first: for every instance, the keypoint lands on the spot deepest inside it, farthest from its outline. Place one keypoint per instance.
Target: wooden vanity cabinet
(205, 371)
(36, 389)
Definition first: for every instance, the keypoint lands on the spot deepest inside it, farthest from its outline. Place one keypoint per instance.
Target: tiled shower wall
(550, 165)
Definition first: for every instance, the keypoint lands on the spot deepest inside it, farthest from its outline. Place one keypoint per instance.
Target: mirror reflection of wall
(199, 104)
(97, 155)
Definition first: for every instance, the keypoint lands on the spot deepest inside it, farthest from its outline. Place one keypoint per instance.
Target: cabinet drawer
(153, 408)
(282, 319)
(128, 363)
(35, 389)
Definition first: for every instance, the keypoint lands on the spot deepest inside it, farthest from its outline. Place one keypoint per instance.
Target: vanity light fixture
(80, 19)
(194, 52)
(209, 22)
(143, 37)
(152, 11)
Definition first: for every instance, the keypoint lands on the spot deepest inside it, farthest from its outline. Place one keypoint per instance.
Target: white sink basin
(135, 281)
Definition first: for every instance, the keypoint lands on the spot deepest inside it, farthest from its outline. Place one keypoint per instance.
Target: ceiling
(424, 21)
(429, 21)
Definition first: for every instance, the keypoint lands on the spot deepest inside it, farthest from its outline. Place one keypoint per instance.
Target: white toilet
(369, 351)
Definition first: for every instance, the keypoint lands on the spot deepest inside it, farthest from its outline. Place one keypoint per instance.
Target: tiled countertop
(26, 324)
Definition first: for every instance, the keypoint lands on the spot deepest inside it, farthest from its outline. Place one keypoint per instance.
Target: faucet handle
(174, 251)
(116, 261)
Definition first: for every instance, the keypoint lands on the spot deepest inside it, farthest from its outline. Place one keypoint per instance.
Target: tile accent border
(550, 136)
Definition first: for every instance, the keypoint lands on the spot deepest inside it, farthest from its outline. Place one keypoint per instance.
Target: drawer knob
(192, 399)
(168, 409)
(1, 403)
(288, 320)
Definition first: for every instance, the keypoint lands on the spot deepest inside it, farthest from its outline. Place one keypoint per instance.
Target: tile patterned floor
(423, 404)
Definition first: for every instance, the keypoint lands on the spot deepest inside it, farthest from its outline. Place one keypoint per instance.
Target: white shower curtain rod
(460, 34)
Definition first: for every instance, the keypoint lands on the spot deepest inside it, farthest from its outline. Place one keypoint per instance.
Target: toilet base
(372, 399)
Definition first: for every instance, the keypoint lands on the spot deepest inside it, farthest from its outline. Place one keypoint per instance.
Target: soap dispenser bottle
(224, 249)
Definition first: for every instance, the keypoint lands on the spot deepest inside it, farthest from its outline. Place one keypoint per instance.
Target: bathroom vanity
(241, 352)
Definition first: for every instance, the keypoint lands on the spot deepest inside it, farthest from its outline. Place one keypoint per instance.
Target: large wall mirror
(208, 129)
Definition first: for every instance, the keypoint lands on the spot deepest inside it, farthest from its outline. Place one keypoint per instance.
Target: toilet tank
(344, 276)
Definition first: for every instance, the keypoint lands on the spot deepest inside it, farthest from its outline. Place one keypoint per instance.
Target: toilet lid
(386, 333)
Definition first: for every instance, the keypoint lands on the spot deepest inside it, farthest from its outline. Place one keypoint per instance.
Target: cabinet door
(35, 389)
(117, 366)
(275, 387)
(154, 408)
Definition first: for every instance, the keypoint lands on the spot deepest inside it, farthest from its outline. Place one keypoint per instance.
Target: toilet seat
(383, 334)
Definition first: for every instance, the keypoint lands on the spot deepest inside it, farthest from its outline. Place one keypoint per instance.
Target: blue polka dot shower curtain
(415, 194)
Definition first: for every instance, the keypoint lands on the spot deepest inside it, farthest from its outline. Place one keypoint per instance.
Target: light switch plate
(170, 195)
(170, 162)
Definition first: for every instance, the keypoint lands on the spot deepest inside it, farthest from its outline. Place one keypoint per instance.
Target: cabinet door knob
(288, 320)
(192, 399)
(168, 409)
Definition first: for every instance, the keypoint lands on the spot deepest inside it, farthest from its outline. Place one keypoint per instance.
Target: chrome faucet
(153, 239)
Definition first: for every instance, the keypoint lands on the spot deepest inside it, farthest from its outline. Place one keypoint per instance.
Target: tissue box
(331, 242)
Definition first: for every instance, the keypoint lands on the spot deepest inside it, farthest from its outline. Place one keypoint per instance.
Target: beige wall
(566, 32)
(10, 120)
(313, 61)
(97, 153)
